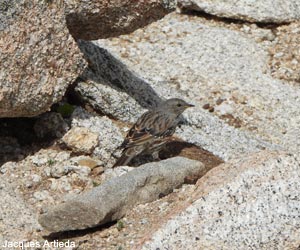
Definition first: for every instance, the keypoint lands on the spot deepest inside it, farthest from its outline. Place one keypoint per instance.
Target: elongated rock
(268, 11)
(115, 197)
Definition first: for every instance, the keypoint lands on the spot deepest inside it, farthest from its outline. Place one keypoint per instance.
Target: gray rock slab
(111, 200)
(249, 203)
(268, 11)
(181, 57)
(107, 98)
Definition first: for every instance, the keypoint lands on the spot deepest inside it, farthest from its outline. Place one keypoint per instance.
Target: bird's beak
(190, 105)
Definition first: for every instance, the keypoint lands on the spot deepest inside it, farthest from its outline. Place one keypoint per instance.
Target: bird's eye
(179, 105)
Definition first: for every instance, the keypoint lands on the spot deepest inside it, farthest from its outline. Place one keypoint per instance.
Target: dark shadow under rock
(76, 233)
(20, 137)
(176, 147)
(106, 69)
(103, 19)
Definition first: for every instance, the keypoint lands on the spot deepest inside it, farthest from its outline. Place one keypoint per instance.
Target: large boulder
(267, 11)
(38, 60)
(91, 20)
(247, 203)
(179, 56)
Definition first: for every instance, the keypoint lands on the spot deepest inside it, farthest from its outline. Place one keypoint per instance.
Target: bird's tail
(124, 159)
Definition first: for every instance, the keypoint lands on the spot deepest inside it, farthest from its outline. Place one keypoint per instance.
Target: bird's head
(176, 105)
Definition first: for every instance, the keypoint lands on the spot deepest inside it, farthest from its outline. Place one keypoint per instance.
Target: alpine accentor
(152, 129)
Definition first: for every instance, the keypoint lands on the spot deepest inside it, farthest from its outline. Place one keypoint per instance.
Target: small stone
(279, 54)
(114, 231)
(80, 170)
(163, 206)
(62, 156)
(47, 171)
(246, 28)
(104, 234)
(29, 184)
(59, 170)
(41, 195)
(224, 109)
(206, 106)
(219, 101)
(98, 170)
(87, 161)
(81, 140)
(144, 221)
(61, 184)
(36, 178)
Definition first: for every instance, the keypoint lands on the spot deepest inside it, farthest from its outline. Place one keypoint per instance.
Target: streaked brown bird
(151, 130)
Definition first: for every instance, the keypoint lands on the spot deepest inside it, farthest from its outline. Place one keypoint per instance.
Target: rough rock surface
(109, 135)
(181, 57)
(39, 58)
(81, 140)
(249, 203)
(47, 176)
(226, 67)
(16, 218)
(111, 200)
(285, 53)
(91, 20)
(107, 98)
(267, 11)
(8, 10)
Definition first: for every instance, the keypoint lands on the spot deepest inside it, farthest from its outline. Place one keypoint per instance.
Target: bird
(151, 130)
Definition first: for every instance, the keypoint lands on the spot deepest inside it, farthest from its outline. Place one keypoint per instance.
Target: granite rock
(86, 161)
(17, 219)
(109, 134)
(111, 200)
(115, 172)
(90, 20)
(48, 157)
(8, 10)
(81, 140)
(107, 98)
(181, 57)
(38, 59)
(268, 11)
(247, 203)
(285, 55)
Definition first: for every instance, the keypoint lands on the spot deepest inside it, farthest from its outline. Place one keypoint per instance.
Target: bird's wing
(149, 126)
